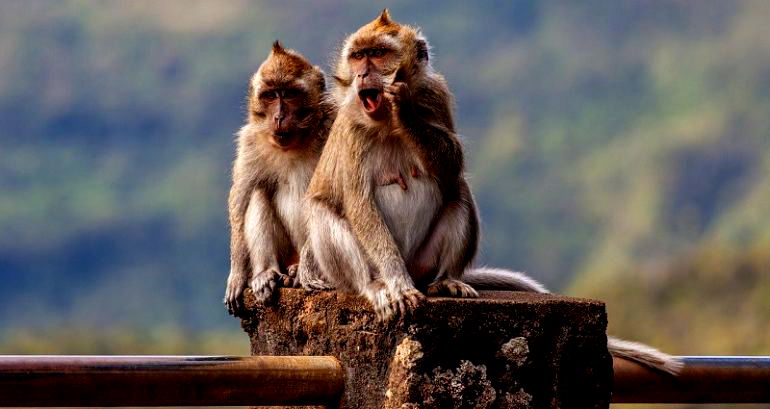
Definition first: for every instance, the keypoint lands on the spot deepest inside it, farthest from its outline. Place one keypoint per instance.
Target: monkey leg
(447, 252)
(345, 266)
(267, 242)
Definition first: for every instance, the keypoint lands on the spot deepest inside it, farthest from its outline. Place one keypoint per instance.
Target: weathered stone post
(503, 350)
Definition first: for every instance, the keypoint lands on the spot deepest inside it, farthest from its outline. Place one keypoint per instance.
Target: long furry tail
(486, 278)
(644, 355)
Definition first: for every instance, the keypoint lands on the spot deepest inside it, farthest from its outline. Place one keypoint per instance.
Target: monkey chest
(408, 207)
(288, 203)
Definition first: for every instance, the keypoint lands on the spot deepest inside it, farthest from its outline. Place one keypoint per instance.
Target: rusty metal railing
(102, 381)
(97, 381)
(704, 379)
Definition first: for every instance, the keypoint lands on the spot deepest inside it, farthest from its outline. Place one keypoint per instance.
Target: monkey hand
(452, 288)
(404, 301)
(236, 283)
(400, 97)
(264, 283)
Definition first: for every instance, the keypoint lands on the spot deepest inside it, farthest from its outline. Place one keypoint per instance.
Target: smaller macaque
(289, 116)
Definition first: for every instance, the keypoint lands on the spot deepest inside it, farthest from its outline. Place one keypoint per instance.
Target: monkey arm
(373, 234)
(257, 238)
(426, 115)
(239, 254)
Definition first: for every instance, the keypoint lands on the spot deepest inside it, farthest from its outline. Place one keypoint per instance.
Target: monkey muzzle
(284, 140)
(371, 99)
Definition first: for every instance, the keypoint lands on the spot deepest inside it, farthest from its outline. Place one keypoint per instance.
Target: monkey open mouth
(371, 98)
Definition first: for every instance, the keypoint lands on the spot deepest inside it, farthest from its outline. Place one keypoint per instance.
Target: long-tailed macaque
(389, 209)
(289, 116)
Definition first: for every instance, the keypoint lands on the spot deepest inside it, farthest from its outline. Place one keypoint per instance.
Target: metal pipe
(79, 381)
(704, 379)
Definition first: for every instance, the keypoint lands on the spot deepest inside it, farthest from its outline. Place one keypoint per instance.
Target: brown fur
(409, 140)
(263, 167)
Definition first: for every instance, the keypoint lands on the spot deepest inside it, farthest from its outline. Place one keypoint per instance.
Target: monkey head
(284, 96)
(374, 57)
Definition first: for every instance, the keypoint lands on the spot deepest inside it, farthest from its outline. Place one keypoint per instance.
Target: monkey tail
(486, 278)
(644, 355)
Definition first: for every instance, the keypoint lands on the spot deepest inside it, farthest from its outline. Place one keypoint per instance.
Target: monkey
(389, 208)
(288, 120)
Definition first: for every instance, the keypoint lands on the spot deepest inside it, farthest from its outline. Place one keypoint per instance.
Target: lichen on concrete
(408, 352)
(465, 387)
(517, 400)
(515, 351)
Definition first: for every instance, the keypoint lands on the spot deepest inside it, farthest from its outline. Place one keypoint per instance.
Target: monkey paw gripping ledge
(503, 350)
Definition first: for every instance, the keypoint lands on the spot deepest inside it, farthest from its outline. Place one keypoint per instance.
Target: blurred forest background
(618, 149)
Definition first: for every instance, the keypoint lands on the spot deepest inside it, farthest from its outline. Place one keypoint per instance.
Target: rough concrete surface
(503, 350)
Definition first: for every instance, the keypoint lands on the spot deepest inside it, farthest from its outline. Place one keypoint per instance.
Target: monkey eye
(290, 93)
(377, 52)
(268, 96)
(357, 55)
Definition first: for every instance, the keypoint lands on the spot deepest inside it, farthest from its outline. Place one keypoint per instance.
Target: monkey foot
(452, 288)
(264, 284)
(308, 279)
(389, 304)
(315, 283)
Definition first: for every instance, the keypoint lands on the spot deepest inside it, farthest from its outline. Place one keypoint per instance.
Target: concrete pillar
(503, 350)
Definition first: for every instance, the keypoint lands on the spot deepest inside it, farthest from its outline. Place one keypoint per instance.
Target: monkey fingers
(316, 283)
(398, 92)
(452, 288)
(383, 308)
(407, 301)
(394, 178)
(403, 297)
(400, 98)
(377, 294)
(290, 279)
(236, 283)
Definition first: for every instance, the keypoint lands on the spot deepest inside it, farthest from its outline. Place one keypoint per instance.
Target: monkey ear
(278, 48)
(320, 77)
(421, 48)
(384, 18)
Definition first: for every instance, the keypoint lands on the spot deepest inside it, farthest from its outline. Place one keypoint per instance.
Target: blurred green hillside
(618, 149)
